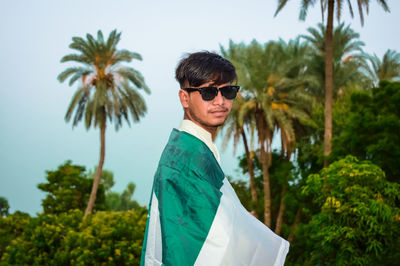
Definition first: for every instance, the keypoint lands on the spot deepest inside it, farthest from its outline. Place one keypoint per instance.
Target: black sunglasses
(209, 93)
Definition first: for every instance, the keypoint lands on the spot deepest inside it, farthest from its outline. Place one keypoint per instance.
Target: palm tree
(386, 69)
(329, 6)
(270, 79)
(251, 63)
(293, 104)
(348, 60)
(107, 90)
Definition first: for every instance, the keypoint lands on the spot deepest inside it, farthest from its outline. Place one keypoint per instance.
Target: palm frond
(281, 4)
(78, 43)
(70, 71)
(133, 76)
(130, 96)
(117, 106)
(339, 8)
(113, 40)
(125, 56)
(83, 47)
(305, 4)
(76, 58)
(80, 108)
(246, 109)
(89, 114)
(100, 37)
(92, 43)
(79, 75)
(79, 94)
(384, 5)
(350, 8)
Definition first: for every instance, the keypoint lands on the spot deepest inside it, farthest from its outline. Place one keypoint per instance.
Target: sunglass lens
(229, 92)
(209, 93)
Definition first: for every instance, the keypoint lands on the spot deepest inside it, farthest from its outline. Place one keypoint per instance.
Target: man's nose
(219, 99)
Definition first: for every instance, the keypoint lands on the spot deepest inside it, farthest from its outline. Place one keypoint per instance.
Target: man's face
(207, 114)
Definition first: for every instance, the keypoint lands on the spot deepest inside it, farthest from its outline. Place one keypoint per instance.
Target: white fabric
(202, 134)
(238, 238)
(154, 243)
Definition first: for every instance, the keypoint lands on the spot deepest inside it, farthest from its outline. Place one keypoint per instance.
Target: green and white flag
(195, 217)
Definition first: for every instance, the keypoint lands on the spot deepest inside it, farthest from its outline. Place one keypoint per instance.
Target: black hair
(201, 67)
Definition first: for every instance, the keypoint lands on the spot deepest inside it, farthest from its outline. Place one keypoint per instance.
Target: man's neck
(212, 130)
(202, 134)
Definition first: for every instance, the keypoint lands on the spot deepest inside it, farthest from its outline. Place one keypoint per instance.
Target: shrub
(104, 238)
(358, 222)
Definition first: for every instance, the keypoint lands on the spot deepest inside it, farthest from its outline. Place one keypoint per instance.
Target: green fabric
(187, 185)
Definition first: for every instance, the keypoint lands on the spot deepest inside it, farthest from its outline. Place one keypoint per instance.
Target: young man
(195, 217)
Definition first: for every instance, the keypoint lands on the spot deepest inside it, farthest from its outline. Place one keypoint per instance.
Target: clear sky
(35, 35)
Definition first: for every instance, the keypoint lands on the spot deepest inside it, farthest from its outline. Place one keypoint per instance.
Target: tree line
(331, 187)
(283, 87)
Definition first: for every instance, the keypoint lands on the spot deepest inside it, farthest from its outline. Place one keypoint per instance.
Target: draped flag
(195, 217)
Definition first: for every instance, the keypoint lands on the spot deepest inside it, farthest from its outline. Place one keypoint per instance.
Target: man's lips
(218, 111)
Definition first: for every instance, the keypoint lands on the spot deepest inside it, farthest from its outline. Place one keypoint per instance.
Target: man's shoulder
(189, 156)
(184, 147)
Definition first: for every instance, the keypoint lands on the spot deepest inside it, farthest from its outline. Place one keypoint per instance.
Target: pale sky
(35, 35)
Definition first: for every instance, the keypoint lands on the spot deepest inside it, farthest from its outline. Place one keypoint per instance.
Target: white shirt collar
(202, 134)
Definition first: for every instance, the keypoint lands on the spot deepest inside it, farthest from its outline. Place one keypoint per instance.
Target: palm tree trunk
(328, 83)
(97, 175)
(295, 225)
(267, 190)
(279, 219)
(249, 159)
(261, 129)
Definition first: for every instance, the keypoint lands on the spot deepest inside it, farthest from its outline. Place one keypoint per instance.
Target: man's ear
(184, 98)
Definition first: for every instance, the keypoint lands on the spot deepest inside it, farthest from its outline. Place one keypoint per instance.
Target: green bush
(68, 188)
(11, 227)
(371, 131)
(358, 222)
(104, 238)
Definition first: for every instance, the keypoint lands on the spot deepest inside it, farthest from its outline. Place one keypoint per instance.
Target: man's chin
(218, 122)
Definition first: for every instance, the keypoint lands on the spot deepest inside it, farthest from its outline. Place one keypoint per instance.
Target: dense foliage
(61, 236)
(358, 222)
(11, 227)
(281, 173)
(4, 206)
(122, 201)
(115, 201)
(68, 188)
(349, 214)
(372, 131)
(104, 238)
